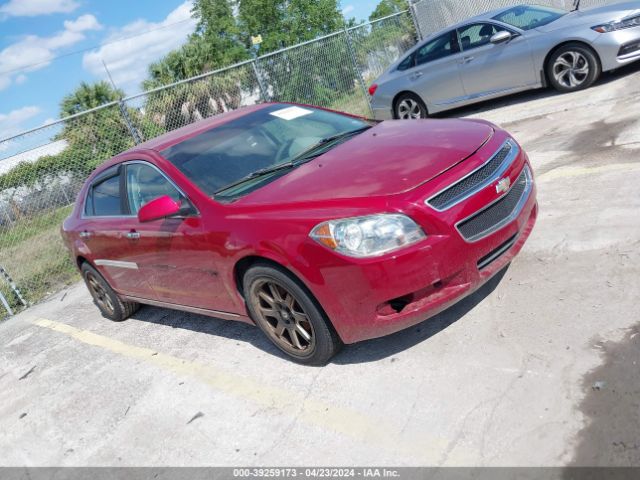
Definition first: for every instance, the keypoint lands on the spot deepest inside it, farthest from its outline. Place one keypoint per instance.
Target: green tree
(283, 23)
(88, 96)
(91, 138)
(218, 28)
(388, 7)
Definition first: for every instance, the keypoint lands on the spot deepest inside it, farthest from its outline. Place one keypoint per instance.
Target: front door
(174, 254)
(436, 76)
(487, 69)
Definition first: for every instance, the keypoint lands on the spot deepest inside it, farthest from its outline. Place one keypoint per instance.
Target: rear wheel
(409, 106)
(573, 67)
(289, 316)
(104, 296)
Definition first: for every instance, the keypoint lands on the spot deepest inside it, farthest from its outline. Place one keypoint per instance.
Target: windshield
(272, 136)
(528, 17)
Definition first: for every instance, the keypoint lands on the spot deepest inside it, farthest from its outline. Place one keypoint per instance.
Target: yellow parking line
(567, 172)
(351, 423)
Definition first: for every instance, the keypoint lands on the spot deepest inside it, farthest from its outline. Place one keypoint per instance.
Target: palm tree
(189, 102)
(88, 96)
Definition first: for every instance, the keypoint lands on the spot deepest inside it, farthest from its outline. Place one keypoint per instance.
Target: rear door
(106, 222)
(487, 69)
(435, 75)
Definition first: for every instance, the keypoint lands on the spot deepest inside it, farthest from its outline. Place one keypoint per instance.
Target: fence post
(414, 18)
(13, 286)
(123, 109)
(356, 69)
(125, 115)
(263, 91)
(6, 304)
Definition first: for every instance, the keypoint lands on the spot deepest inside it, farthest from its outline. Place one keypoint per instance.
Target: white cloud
(128, 58)
(82, 23)
(33, 8)
(12, 122)
(34, 53)
(20, 79)
(348, 9)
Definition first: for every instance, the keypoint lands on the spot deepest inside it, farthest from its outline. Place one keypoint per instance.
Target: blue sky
(47, 47)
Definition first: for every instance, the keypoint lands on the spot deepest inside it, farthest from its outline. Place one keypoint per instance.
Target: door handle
(133, 236)
(467, 60)
(417, 75)
(85, 234)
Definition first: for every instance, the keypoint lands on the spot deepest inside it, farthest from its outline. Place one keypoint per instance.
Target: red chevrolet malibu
(319, 227)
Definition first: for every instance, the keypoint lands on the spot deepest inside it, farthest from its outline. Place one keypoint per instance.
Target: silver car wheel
(571, 69)
(409, 109)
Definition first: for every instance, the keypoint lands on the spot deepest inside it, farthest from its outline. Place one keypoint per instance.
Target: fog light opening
(399, 304)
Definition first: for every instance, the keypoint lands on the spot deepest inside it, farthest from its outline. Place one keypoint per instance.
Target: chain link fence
(42, 170)
(432, 16)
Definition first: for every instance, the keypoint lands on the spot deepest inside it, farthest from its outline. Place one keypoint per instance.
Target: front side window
(436, 49)
(407, 63)
(104, 197)
(144, 184)
(527, 17)
(244, 148)
(478, 35)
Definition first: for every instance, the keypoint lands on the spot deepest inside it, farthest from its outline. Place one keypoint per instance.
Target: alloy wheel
(571, 69)
(99, 294)
(409, 109)
(283, 318)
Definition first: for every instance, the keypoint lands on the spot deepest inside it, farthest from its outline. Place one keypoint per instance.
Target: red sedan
(319, 227)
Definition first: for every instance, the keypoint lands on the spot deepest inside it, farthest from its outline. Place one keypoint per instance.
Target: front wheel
(410, 107)
(289, 316)
(573, 67)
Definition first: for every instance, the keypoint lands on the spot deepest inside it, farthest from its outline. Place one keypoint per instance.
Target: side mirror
(501, 37)
(162, 207)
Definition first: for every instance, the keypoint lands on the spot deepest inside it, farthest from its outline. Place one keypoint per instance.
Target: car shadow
(363, 352)
(530, 95)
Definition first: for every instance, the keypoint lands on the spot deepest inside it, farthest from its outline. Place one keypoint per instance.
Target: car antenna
(576, 5)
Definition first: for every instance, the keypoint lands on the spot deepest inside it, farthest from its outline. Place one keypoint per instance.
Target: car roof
(176, 136)
(483, 16)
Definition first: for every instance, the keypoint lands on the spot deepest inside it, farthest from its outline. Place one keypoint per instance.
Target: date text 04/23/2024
(315, 473)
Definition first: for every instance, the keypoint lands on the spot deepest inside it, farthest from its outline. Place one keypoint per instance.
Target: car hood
(593, 16)
(392, 157)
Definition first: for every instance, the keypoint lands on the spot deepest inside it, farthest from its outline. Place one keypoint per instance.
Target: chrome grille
(477, 180)
(499, 213)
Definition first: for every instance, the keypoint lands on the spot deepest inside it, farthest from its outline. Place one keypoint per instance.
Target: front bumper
(616, 49)
(376, 297)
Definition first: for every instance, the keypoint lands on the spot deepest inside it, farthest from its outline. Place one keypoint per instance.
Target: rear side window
(104, 198)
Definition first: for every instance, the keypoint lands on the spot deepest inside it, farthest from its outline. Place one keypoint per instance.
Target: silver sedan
(508, 51)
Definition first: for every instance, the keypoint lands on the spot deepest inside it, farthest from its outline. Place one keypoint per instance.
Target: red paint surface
(391, 168)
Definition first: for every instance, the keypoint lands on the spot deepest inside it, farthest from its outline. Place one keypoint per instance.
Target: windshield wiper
(305, 156)
(325, 141)
(256, 174)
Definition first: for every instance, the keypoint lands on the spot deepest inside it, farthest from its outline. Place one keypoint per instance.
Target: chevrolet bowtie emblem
(503, 185)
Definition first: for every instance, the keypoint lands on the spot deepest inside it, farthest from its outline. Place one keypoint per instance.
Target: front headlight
(369, 236)
(621, 25)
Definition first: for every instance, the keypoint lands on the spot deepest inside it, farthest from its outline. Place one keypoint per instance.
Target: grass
(33, 253)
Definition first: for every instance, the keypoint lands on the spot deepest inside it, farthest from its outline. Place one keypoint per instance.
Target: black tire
(104, 297)
(573, 67)
(296, 314)
(409, 106)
